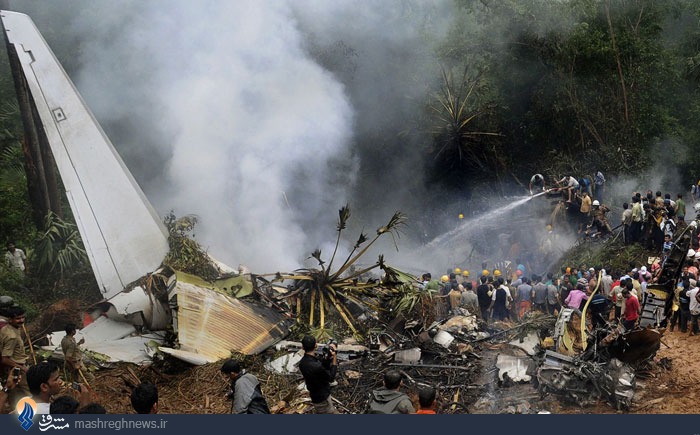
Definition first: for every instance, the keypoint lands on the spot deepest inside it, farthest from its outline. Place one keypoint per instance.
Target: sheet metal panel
(117, 340)
(213, 325)
(123, 236)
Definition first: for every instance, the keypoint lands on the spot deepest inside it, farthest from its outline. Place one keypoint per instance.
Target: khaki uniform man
(13, 353)
(73, 365)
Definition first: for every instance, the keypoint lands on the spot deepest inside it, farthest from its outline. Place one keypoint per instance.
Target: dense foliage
(574, 86)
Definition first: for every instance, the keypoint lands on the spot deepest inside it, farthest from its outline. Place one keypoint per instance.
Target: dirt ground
(665, 388)
(671, 391)
(200, 390)
(668, 387)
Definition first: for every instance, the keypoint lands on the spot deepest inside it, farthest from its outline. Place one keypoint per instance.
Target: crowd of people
(41, 381)
(653, 220)
(617, 299)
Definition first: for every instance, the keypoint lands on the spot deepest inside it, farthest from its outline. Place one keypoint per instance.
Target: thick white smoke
(248, 115)
(247, 131)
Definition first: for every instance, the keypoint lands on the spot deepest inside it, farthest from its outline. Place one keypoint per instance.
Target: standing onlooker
(632, 310)
(454, 297)
(585, 216)
(694, 309)
(684, 304)
(553, 301)
(599, 182)
(539, 291)
(680, 209)
(469, 300)
(144, 398)
(318, 375)
(73, 363)
(10, 383)
(617, 298)
(484, 293)
(245, 390)
(500, 301)
(675, 308)
(599, 307)
(14, 355)
(637, 220)
(627, 223)
(524, 298)
(577, 295)
(605, 283)
(16, 258)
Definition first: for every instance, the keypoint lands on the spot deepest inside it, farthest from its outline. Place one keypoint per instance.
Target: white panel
(123, 235)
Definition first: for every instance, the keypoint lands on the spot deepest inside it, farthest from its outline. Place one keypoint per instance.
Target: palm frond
(343, 216)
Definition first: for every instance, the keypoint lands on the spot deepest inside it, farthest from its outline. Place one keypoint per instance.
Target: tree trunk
(39, 164)
(617, 59)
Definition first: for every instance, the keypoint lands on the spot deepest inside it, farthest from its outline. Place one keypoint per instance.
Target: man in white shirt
(16, 258)
(570, 184)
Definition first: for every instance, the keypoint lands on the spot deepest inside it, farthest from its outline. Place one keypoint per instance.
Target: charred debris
(393, 322)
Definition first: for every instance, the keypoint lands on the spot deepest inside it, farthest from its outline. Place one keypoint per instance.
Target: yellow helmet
(458, 270)
(485, 272)
(445, 278)
(496, 272)
(465, 273)
(461, 215)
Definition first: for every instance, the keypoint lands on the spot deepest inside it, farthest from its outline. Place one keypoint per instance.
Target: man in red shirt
(631, 310)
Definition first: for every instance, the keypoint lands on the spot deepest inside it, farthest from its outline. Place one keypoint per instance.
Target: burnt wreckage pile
(603, 363)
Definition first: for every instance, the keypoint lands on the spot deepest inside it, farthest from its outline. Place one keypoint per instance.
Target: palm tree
(322, 291)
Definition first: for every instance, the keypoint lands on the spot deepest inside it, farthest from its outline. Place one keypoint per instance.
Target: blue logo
(28, 409)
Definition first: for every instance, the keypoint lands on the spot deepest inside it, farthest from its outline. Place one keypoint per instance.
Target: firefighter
(600, 220)
(445, 286)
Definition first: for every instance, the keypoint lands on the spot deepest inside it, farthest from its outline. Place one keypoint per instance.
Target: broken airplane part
(99, 187)
(123, 236)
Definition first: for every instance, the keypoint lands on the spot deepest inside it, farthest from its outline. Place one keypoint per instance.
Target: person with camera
(389, 400)
(318, 374)
(245, 390)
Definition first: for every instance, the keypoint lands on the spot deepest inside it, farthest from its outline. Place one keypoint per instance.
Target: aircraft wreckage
(150, 305)
(141, 293)
(148, 300)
